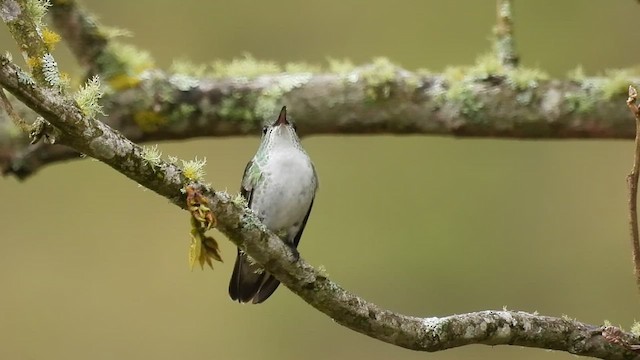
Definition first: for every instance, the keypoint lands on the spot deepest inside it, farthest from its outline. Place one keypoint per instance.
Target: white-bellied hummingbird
(279, 184)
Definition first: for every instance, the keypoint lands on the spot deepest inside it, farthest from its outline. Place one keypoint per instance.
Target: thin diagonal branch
(8, 108)
(632, 184)
(243, 228)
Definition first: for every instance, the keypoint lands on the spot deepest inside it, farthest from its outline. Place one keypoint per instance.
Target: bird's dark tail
(249, 282)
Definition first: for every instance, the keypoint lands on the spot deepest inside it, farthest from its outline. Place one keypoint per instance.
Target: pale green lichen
(50, 70)
(378, 78)
(110, 32)
(36, 10)
(269, 101)
(122, 65)
(462, 94)
(194, 169)
(616, 82)
(340, 66)
(606, 323)
(525, 78)
(88, 97)
(486, 65)
(152, 156)
(25, 79)
(635, 328)
(245, 67)
(240, 200)
(183, 82)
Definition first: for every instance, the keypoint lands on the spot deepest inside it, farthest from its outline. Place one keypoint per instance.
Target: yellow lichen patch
(50, 38)
(149, 121)
(123, 82)
(33, 62)
(194, 169)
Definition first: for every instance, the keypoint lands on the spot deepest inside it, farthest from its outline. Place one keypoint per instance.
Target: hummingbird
(279, 184)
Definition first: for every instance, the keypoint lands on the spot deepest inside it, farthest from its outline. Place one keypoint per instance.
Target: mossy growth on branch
(378, 79)
(88, 97)
(193, 170)
(122, 65)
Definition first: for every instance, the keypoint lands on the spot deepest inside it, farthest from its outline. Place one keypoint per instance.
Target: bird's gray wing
(247, 277)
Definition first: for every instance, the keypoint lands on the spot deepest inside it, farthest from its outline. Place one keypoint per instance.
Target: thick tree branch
(379, 98)
(244, 229)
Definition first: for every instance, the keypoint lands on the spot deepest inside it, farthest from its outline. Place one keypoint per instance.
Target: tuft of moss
(635, 328)
(194, 169)
(152, 156)
(245, 67)
(378, 79)
(616, 82)
(269, 102)
(461, 93)
(122, 65)
(340, 66)
(88, 96)
(525, 78)
(486, 65)
(36, 10)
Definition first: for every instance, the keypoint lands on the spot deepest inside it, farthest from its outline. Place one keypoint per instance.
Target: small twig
(632, 183)
(505, 44)
(6, 105)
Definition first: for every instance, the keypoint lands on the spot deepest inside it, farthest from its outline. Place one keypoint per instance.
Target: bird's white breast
(286, 189)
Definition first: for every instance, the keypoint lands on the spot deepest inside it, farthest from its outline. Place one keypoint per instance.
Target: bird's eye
(295, 127)
(264, 130)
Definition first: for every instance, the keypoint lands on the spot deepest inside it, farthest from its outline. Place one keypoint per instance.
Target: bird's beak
(282, 118)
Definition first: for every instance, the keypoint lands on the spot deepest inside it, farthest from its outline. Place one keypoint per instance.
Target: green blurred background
(94, 267)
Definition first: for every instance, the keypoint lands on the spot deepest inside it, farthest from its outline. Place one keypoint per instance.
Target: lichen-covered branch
(34, 39)
(484, 100)
(242, 227)
(86, 39)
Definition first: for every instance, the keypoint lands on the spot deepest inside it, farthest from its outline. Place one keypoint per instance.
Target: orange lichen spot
(50, 38)
(149, 121)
